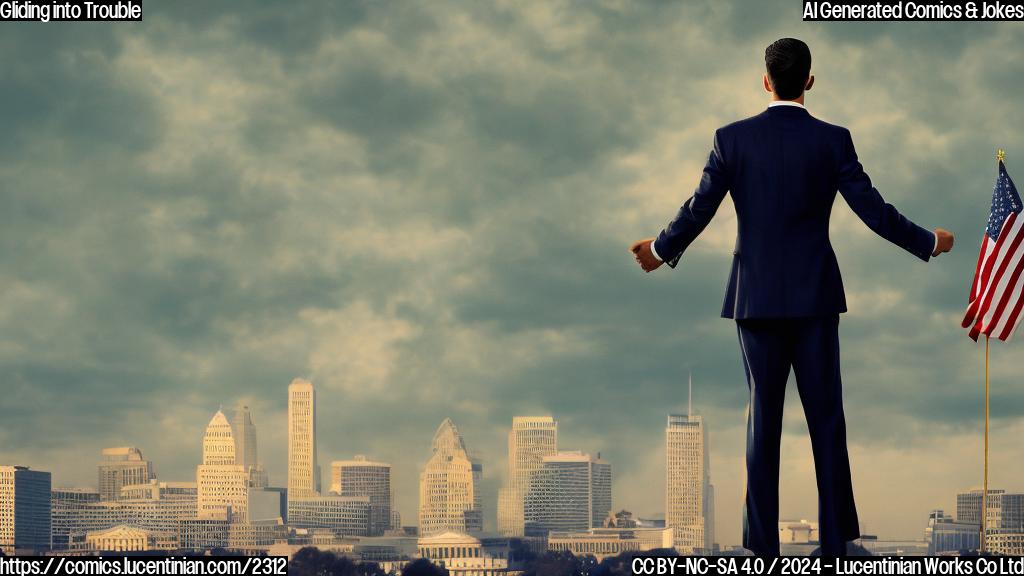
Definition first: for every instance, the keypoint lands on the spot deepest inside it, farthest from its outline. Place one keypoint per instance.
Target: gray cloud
(425, 208)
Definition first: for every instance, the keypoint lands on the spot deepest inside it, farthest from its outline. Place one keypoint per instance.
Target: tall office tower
(450, 486)
(122, 466)
(968, 507)
(303, 470)
(572, 492)
(245, 447)
(530, 440)
(361, 477)
(689, 495)
(24, 510)
(222, 485)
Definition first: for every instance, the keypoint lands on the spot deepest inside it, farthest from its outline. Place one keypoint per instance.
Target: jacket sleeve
(868, 205)
(695, 213)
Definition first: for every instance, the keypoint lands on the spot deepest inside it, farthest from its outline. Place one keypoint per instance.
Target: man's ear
(810, 82)
(767, 84)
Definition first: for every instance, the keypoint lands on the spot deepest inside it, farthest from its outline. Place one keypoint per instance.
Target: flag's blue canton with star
(1005, 199)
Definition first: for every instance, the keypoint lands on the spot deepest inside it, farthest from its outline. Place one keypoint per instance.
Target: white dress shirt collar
(785, 103)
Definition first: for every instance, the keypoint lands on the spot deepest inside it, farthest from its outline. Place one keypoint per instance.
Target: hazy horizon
(426, 209)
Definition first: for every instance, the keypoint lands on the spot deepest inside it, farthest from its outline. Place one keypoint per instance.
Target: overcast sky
(425, 208)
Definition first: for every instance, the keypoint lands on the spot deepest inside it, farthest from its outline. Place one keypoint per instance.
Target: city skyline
(576, 513)
(230, 488)
(220, 448)
(229, 462)
(425, 208)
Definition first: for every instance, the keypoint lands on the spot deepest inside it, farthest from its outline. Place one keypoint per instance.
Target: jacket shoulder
(736, 133)
(740, 126)
(750, 131)
(833, 130)
(755, 121)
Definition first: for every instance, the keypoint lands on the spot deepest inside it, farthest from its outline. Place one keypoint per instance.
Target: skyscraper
(222, 485)
(246, 454)
(530, 440)
(122, 466)
(362, 477)
(450, 486)
(303, 470)
(689, 499)
(571, 492)
(24, 509)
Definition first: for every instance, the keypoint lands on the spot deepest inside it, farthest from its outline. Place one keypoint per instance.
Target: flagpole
(984, 493)
(1000, 156)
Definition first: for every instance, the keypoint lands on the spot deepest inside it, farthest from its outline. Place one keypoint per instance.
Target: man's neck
(779, 102)
(799, 100)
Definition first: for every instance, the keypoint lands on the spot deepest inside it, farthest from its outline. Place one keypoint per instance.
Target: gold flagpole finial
(1000, 154)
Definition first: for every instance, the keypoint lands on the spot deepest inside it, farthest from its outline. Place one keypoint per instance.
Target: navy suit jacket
(783, 168)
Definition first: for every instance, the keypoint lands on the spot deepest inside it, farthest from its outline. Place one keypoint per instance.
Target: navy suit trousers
(811, 347)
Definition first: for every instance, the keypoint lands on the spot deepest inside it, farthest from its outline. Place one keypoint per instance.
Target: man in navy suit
(783, 168)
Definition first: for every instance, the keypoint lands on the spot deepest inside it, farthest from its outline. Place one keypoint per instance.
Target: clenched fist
(943, 241)
(641, 250)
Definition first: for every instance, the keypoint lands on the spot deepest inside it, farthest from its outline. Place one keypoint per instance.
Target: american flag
(997, 294)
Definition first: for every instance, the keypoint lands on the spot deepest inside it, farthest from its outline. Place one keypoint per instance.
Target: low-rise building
(203, 533)
(879, 547)
(466, 555)
(948, 535)
(1005, 542)
(153, 506)
(344, 515)
(605, 542)
(256, 535)
(129, 539)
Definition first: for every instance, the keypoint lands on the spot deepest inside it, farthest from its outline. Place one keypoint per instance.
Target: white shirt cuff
(936, 247)
(655, 252)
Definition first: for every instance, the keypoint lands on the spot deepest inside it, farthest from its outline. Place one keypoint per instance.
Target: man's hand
(943, 241)
(641, 250)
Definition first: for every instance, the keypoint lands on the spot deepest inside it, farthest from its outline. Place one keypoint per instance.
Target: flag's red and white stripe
(997, 294)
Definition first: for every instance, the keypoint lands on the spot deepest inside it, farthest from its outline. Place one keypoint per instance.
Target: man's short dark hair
(789, 65)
